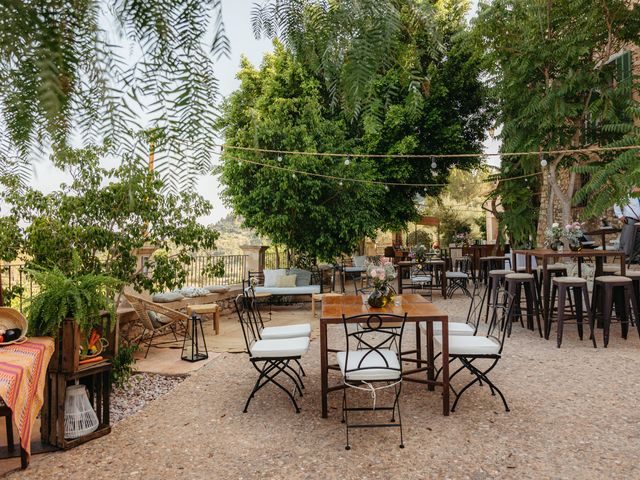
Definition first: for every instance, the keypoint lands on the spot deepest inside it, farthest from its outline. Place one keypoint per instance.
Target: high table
(603, 232)
(417, 310)
(437, 265)
(546, 255)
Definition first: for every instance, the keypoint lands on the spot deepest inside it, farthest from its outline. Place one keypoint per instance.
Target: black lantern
(193, 337)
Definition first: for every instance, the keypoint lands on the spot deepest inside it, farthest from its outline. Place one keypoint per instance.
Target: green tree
(553, 69)
(90, 227)
(90, 68)
(286, 105)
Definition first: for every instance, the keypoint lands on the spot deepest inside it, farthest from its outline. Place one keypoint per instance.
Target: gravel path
(573, 415)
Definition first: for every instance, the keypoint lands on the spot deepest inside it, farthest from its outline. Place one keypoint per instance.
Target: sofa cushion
(286, 281)
(279, 348)
(303, 277)
(167, 297)
(192, 292)
(271, 276)
(308, 290)
(217, 288)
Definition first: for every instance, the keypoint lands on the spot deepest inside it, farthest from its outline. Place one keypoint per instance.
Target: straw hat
(12, 318)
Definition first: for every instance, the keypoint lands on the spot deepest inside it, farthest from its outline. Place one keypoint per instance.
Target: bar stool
(490, 263)
(516, 282)
(611, 269)
(562, 286)
(554, 270)
(494, 283)
(610, 289)
(634, 275)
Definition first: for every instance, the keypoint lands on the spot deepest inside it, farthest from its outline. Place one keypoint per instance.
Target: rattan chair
(156, 320)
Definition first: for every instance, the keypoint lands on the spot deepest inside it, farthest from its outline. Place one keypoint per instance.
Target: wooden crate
(66, 358)
(97, 378)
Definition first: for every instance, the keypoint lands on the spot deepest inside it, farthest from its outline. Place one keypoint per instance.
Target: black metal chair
(374, 362)
(469, 349)
(421, 277)
(271, 358)
(458, 277)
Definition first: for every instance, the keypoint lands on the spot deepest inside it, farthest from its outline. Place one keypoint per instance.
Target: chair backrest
(246, 316)
(379, 332)
(138, 305)
(497, 329)
(250, 293)
(256, 277)
(142, 306)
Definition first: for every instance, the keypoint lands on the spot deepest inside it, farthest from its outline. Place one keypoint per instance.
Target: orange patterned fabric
(23, 371)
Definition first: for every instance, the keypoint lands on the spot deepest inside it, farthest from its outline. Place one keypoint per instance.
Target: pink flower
(382, 275)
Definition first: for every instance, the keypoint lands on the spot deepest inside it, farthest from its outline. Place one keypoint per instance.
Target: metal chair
(458, 278)
(421, 279)
(374, 362)
(271, 358)
(470, 349)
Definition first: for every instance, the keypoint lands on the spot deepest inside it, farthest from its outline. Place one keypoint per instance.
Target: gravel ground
(573, 415)
(139, 390)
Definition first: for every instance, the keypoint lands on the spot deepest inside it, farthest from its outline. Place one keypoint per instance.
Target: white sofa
(303, 286)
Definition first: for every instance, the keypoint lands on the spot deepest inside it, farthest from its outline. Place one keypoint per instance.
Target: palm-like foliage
(93, 68)
(349, 42)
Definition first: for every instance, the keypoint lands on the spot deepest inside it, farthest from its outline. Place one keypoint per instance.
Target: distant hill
(232, 235)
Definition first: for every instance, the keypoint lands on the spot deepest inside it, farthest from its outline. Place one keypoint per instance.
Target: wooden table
(603, 232)
(417, 310)
(436, 263)
(212, 309)
(546, 255)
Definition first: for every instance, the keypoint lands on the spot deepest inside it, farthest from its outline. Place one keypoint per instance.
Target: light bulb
(340, 183)
(347, 161)
(434, 165)
(294, 175)
(543, 162)
(279, 158)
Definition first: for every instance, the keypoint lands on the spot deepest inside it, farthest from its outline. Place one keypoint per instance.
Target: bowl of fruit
(13, 326)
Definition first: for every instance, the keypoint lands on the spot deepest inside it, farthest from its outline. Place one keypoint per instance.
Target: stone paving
(573, 415)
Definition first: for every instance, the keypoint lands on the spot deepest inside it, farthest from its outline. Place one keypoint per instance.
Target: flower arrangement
(573, 232)
(553, 236)
(381, 273)
(419, 253)
(461, 238)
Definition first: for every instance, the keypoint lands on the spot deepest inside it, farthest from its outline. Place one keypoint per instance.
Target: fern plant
(80, 297)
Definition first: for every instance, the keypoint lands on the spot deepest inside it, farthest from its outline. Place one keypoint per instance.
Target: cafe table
(438, 275)
(547, 254)
(417, 310)
(603, 232)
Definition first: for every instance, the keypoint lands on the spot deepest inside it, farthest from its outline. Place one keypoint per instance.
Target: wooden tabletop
(415, 306)
(547, 252)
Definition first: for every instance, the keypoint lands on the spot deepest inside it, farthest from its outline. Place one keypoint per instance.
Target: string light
(543, 162)
(347, 160)
(280, 158)
(340, 183)
(434, 165)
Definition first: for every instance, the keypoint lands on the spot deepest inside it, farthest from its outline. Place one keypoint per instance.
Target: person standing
(629, 215)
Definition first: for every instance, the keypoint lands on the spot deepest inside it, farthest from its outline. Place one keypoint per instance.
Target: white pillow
(271, 276)
(359, 260)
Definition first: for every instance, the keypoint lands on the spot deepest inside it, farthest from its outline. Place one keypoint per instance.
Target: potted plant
(76, 299)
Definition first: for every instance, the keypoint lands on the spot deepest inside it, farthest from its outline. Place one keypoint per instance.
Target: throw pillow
(271, 277)
(303, 277)
(167, 297)
(286, 281)
(158, 319)
(217, 288)
(193, 292)
(359, 260)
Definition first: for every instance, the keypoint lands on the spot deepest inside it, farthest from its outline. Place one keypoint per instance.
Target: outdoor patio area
(572, 416)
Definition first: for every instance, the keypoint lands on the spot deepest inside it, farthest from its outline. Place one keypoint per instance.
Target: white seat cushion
(455, 328)
(469, 345)
(306, 290)
(286, 331)
(278, 348)
(456, 275)
(355, 269)
(421, 279)
(368, 370)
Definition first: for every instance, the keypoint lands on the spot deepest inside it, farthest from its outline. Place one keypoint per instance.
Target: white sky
(236, 14)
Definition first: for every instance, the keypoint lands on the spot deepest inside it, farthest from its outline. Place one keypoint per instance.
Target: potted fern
(68, 307)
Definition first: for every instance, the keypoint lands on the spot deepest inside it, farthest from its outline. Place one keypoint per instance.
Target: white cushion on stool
(464, 345)
(278, 348)
(286, 331)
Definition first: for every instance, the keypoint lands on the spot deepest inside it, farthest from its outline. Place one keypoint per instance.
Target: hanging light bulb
(386, 187)
(434, 165)
(280, 158)
(347, 160)
(294, 176)
(543, 162)
(340, 183)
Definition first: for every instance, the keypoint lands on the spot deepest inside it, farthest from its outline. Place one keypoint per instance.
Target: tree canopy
(554, 71)
(286, 105)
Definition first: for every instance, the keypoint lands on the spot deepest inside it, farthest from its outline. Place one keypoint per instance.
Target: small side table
(212, 309)
(317, 297)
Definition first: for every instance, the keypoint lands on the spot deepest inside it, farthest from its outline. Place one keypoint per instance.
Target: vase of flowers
(461, 239)
(553, 236)
(419, 253)
(381, 273)
(572, 233)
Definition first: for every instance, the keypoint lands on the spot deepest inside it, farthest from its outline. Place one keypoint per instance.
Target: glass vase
(377, 298)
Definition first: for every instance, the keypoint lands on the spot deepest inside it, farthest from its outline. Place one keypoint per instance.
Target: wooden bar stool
(634, 275)
(609, 290)
(554, 270)
(516, 283)
(562, 287)
(494, 283)
(491, 263)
